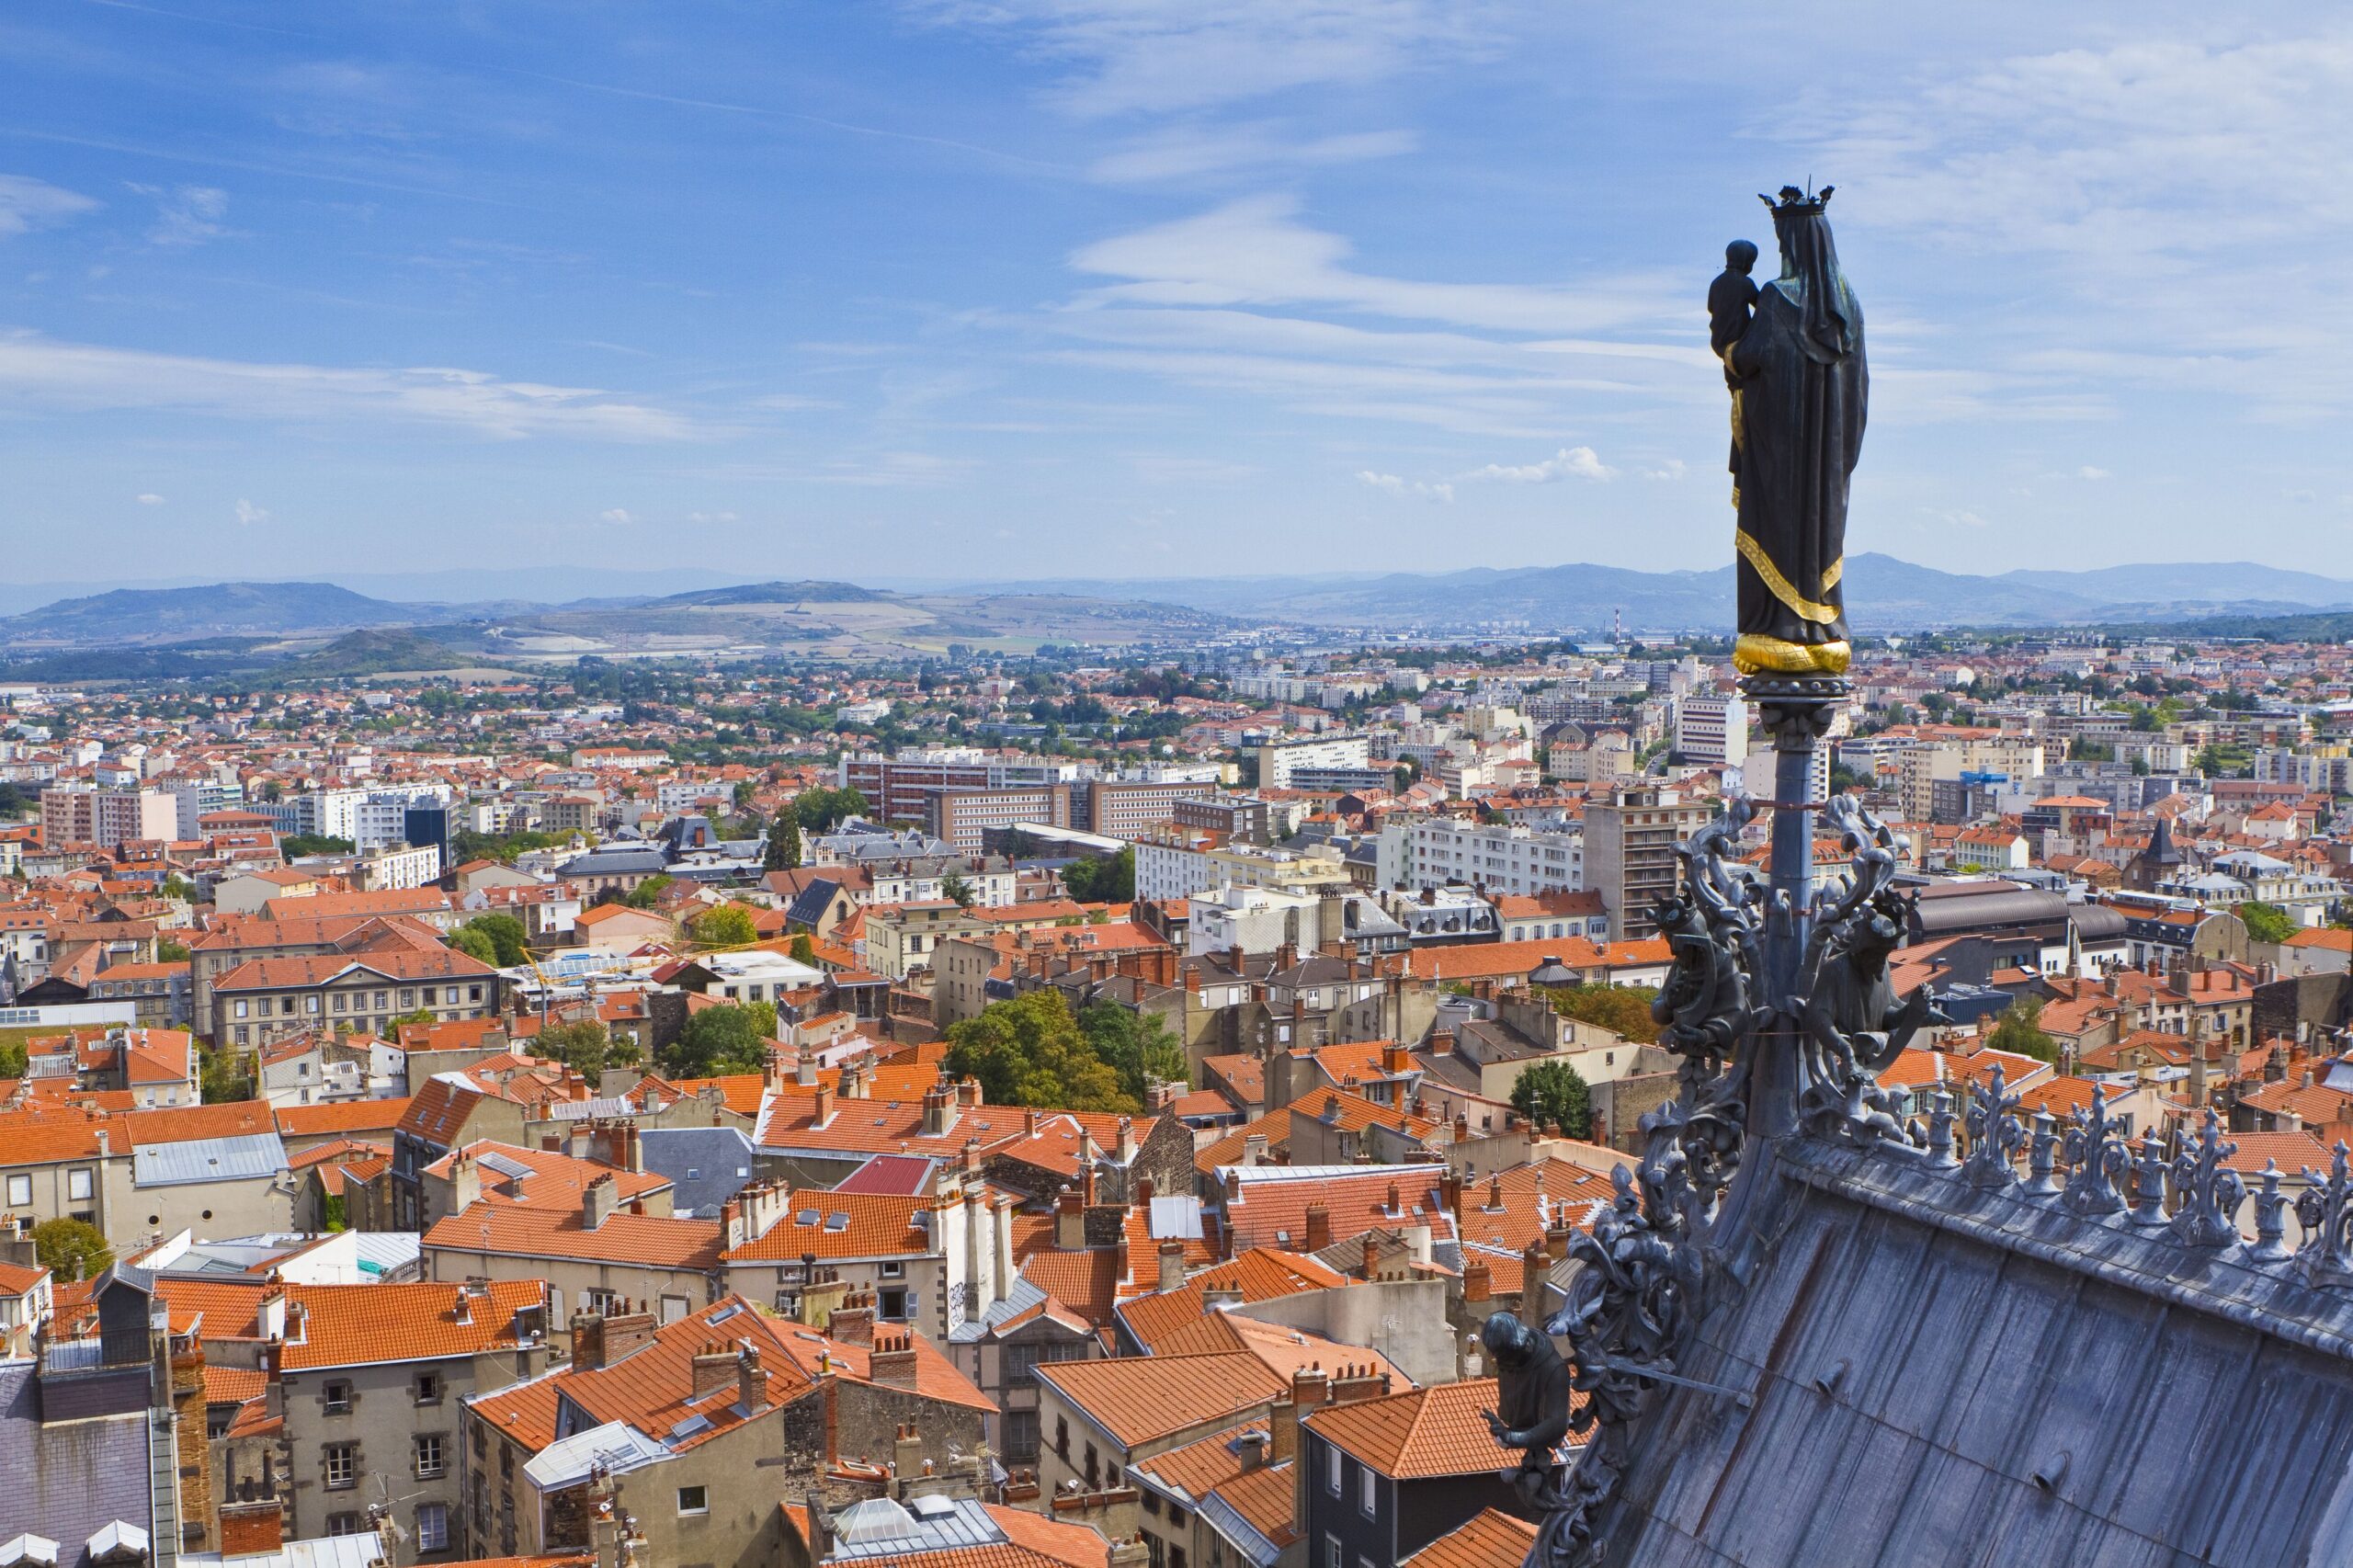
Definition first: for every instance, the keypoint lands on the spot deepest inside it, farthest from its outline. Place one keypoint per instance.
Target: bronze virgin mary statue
(1799, 384)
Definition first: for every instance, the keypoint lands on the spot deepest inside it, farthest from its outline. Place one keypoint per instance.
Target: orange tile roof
(1284, 1350)
(1268, 1502)
(525, 1231)
(1440, 1430)
(399, 964)
(557, 1179)
(1489, 1539)
(1262, 1274)
(1491, 961)
(1139, 1398)
(346, 1325)
(1351, 1112)
(1510, 1228)
(341, 1117)
(1274, 1212)
(874, 1225)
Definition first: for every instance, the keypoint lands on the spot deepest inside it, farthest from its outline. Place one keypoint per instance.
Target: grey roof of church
(2203, 1405)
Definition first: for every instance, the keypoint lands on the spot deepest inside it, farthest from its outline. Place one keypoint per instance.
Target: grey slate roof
(71, 1478)
(2204, 1406)
(707, 1165)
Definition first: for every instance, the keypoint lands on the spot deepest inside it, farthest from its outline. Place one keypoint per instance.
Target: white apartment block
(329, 814)
(1712, 730)
(1502, 859)
(399, 867)
(1277, 760)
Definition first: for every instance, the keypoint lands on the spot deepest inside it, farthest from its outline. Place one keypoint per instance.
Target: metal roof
(242, 1158)
(880, 1528)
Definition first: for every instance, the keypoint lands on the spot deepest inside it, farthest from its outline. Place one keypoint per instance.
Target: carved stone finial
(2208, 1192)
(2270, 1218)
(2149, 1181)
(1994, 1135)
(2097, 1155)
(2325, 1209)
(2039, 1158)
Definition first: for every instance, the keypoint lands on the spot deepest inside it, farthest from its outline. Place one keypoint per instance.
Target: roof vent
(2050, 1473)
(1826, 1381)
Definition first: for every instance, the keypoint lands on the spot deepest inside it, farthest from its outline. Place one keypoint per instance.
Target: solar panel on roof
(805, 1216)
(838, 1220)
(729, 1310)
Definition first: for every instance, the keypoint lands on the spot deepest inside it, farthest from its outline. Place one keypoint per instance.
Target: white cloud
(2088, 472)
(52, 377)
(249, 514)
(1396, 484)
(27, 203)
(186, 214)
(149, 498)
(1197, 151)
(1568, 462)
(1158, 55)
(1672, 468)
(615, 515)
(693, 517)
(1254, 252)
(1959, 519)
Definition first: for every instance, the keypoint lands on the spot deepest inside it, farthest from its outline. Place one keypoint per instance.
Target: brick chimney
(1310, 1386)
(824, 1111)
(1359, 1382)
(1478, 1283)
(1449, 1191)
(587, 1341)
(906, 1454)
(597, 1200)
(751, 1379)
(714, 1369)
(1371, 1256)
(854, 1323)
(1126, 1148)
(1535, 1273)
(1250, 1449)
(252, 1525)
(1070, 1221)
(1319, 1228)
(629, 1330)
(894, 1362)
(1282, 1432)
(1172, 1266)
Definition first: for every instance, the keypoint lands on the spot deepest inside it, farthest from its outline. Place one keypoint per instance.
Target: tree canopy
(1552, 1094)
(1030, 1051)
(784, 843)
(1111, 880)
(715, 1042)
(819, 810)
(1624, 1008)
(503, 932)
(2266, 922)
(474, 944)
(724, 926)
(586, 1047)
(1136, 1045)
(71, 1249)
(2018, 1029)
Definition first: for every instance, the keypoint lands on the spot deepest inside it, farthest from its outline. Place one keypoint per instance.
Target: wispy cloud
(615, 515)
(248, 514)
(1568, 462)
(1129, 56)
(185, 214)
(1397, 484)
(1192, 153)
(149, 498)
(49, 376)
(27, 203)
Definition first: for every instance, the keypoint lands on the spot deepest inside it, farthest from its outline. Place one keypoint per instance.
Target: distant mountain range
(1884, 594)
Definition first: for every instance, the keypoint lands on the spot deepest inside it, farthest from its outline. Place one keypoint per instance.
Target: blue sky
(1138, 288)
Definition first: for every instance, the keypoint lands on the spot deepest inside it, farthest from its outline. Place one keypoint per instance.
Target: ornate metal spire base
(1796, 709)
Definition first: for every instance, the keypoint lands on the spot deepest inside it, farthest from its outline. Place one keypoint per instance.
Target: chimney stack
(1319, 1228)
(714, 1369)
(1282, 1432)
(893, 1363)
(751, 1379)
(1070, 1221)
(598, 1201)
(1172, 1266)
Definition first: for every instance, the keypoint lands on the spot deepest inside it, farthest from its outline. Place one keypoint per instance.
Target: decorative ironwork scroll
(2325, 1209)
(1994, 1135)
(1852, 1024)
(2096, 1154)
(2208, 1191)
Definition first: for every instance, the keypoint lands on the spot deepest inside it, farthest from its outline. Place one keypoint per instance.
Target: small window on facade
(338, 1396)
(693, 1500)
(342, 1466)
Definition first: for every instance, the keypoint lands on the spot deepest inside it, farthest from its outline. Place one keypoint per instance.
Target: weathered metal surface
(1946, 1374)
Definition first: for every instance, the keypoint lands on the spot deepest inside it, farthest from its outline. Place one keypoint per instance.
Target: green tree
(584, 1047)
(804, 949)
(1136, 1045)
(784, 843)
(819, 810)
(724, 926)
(647, 893)
(474, 944)
(716, 1040)
(957, 891)
(2019, 1031)
(1625, 1008)
(1111, 880)
(222, 1076)
(13, 1056)
(180, 888)
(2267, 922)
(393, 1025)
(293, 846)
(763, 1017)
(169, 951)
(1552, 1094)
(1028, 1051)
(506, 938)
(71, 1249)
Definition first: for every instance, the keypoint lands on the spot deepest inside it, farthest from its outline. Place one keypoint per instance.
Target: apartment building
(1279, 760)
(265, 999)
(964, 818)
(1630, 858)
(1121, 809)
(107, 817)
(1504, 859)
(1712, 730)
